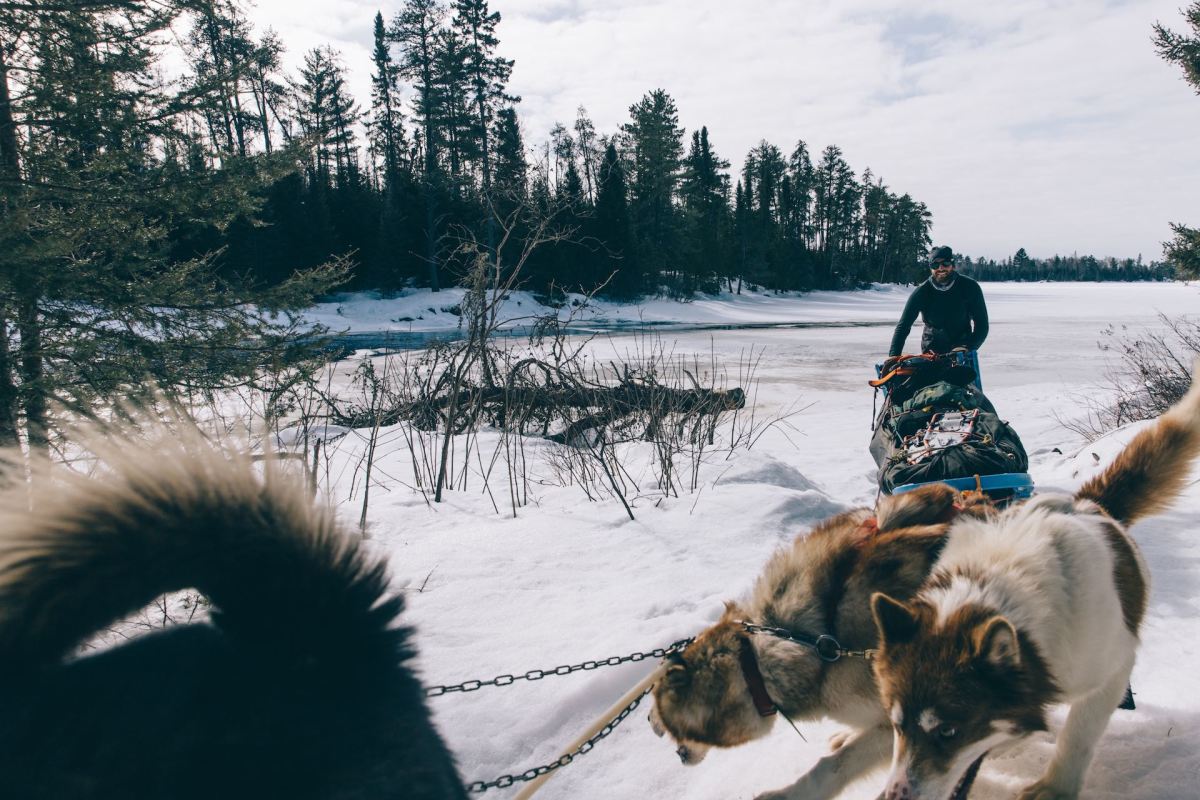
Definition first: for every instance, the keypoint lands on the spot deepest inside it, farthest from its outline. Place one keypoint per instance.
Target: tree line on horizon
(1023, 267)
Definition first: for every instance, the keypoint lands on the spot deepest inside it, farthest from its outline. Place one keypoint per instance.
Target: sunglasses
(941, 265)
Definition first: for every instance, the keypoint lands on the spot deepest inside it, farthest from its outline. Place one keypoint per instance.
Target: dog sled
(937, 426)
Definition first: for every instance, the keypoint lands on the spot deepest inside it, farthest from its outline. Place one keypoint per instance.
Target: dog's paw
(839, 739)
(1044, 791)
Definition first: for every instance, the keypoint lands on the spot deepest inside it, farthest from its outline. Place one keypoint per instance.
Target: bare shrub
(1153, 371)
(563, 416)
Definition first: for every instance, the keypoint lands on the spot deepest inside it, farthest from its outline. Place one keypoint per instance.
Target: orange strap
(899, 372)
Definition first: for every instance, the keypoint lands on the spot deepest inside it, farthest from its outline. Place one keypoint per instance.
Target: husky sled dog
(298, 688)
(721, 689)
(1041, 604)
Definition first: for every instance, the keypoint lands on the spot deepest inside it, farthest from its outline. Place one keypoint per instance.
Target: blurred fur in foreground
(297, 688)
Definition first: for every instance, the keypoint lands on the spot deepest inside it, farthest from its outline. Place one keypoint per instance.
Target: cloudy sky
(1044, 124)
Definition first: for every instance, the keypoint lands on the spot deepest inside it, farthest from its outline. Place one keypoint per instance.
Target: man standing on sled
(951, 305)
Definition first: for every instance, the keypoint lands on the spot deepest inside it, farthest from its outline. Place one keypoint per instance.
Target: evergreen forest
(170, 194)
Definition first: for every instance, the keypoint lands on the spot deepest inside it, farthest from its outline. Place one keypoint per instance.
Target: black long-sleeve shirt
(954, 317)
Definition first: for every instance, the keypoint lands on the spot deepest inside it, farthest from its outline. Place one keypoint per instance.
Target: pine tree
(742, 234)
(388, 141)
(222, 52)
(103, 264)
(326, 115)
(267, 90)
(415, 29)
(1021, 261)
(1183, 49)
(511, 167)
(590, 151)
(336, 207)
(763, 175)
(876, 206)
(656, 144)
(835, 201)
(803, 180)
(1183, 252)
(907, 239)
(617, 258)
(391, 255)
(705, 198)
(486, 74)
(460, 138)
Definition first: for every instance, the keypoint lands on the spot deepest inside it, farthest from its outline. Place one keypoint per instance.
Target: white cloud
(1046, 125)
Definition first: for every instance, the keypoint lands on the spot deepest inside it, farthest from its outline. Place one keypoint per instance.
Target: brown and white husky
(1039, 604)
(720, 691)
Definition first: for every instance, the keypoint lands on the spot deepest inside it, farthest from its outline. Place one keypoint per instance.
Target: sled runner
(937, 426)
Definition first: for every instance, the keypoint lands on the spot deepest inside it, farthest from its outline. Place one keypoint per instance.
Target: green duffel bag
(910, 416)
(992, 448)
(944, 396)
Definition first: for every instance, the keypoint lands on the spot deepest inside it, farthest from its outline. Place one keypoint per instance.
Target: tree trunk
(430, 164)
(33, 385)
(431, 233)
(10, 171)
(485, 145)
(8, 390)
(258, 89)
(239, 122)
(10, 166)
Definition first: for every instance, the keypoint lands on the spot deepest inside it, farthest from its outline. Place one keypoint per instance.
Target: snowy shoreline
(425, 311)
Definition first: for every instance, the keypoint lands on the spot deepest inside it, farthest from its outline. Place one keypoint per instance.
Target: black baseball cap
(941, 255)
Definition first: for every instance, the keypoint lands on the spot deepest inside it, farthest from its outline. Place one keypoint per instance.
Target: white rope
(605, 718)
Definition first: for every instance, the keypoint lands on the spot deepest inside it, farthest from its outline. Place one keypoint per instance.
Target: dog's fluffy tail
(1152, 470)
(179, 513)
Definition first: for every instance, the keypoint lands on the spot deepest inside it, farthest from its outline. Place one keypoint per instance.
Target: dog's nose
(691, 753)
(900, 789)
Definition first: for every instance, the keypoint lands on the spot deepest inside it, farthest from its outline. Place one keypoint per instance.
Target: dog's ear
(995, 641)
(656, 723)
(677, 675)
(733, 612)
(895, 621)
(928, 505)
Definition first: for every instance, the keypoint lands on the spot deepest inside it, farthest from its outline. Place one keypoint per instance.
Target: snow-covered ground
(568, 580)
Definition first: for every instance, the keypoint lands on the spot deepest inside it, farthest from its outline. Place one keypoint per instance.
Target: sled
(1006, 486)
(936, 421)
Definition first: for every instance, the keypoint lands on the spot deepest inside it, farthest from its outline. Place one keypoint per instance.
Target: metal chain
(827, 648)
(565, 669)
(479, 787)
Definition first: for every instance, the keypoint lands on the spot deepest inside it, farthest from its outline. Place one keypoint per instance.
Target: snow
(421, 310)
(569, 580)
